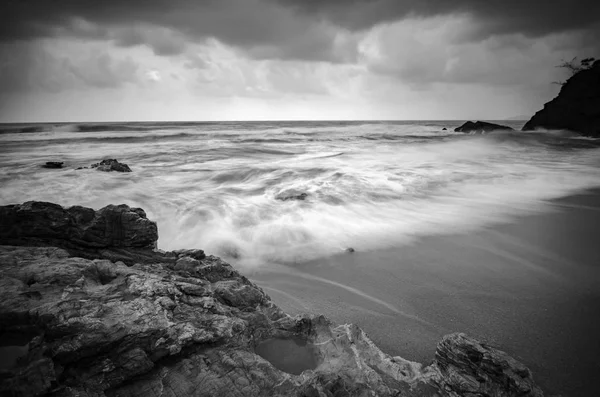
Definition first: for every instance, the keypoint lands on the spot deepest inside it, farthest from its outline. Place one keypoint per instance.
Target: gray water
(369, 185)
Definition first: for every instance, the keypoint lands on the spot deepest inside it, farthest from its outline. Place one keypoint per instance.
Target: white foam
(219, 195)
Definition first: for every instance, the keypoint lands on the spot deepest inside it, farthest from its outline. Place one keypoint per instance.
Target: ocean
(494, 235)
(368, 185)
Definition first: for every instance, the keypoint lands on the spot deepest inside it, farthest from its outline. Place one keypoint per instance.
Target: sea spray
(367, 185)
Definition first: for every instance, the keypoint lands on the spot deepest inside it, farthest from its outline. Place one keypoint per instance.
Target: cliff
(576, 108)
(75, 320)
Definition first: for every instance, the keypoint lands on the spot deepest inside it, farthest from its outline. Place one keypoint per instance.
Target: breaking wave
(367, 185)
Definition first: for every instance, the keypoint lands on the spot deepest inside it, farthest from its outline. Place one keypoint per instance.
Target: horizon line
(251, 121)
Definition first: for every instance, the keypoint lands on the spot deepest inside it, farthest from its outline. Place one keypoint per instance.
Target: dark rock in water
(182, 323)
(480, 127)
(444, 129)
(576, 108)
(350, 249)
(53, 164)
(291, 195)
(111, 165)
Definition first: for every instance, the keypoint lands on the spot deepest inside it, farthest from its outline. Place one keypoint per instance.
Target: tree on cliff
(573, 67)
(577, 106)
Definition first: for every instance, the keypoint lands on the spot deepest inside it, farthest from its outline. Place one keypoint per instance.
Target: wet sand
(531, 288)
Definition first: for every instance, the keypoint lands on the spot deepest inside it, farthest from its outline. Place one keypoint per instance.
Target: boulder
(53, 164)
(576, 108)
(115, 232)
(469, 367)
(479, 127)
(109, 165)
(111, 226)
(189, 324)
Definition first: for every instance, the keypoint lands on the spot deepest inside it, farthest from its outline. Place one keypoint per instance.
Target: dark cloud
(286, 29)
(276, 29)
(262, 27)
(529, 17)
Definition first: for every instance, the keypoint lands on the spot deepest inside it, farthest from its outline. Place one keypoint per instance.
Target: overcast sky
(91, 60)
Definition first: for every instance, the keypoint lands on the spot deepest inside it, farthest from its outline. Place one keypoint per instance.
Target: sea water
(368, 185)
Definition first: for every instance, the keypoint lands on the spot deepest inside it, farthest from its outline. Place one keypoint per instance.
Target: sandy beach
(528, 287)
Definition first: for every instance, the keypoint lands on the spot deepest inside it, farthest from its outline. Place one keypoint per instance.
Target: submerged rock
(291, 195)
(576, 108)
(182, 323)
(53, 164)
(480, 127)
(109, 165)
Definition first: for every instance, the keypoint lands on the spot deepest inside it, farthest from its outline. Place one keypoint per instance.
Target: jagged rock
(192, 253)
(468, 367)
(53, 164)
(576, 108)
(190, 324)
(115, 232)
(112, 226)
(480, 127)
(111, 165)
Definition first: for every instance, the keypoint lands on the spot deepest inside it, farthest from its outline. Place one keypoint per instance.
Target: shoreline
(187, 321)
(528, 287)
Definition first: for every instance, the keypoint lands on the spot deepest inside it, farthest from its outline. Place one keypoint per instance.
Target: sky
(168, 60)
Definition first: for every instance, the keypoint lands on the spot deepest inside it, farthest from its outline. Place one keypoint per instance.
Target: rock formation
(576, 108)
(184, 324)
(109, 165)
(480, 127)
(53, 164)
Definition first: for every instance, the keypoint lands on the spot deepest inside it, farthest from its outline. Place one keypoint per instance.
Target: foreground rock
(115, 232)
(185, 324)
(479, 127)
(109, 165)
(576, 108)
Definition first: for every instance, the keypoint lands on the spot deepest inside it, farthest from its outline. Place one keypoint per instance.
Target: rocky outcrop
(576, 108)
(115, 232)
(479, 127)
(109, 165)
(468, 367)
(189, 325)
(53, 164)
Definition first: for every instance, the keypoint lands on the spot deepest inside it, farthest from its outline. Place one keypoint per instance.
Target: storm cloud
(287, 29)
(532, 18)
(300, 58)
